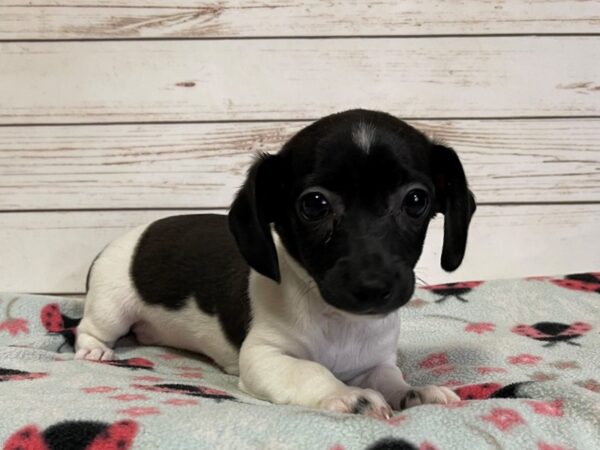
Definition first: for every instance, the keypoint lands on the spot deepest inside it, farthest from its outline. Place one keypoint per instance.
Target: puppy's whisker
(309, 288)
(421, 281)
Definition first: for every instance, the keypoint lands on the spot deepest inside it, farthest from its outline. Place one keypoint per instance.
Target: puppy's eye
(314, 206)
(415, 203)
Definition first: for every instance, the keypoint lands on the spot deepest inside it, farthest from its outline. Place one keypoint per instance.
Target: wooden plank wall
(115, 114)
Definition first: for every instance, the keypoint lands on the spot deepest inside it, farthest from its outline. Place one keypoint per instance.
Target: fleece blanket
(524, 356)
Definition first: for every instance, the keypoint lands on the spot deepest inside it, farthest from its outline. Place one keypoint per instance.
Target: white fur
(299, 350)
(113, 306)
(363, 135)
(294, 311)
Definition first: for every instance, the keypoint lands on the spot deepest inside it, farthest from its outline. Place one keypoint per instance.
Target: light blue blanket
(523, 354)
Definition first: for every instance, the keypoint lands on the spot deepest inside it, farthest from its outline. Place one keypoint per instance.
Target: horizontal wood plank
(142, 81)
(73, 19)
(50, 252)
(202, 165)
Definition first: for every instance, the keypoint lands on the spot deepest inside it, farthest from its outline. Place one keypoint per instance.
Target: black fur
(251, 213)
(361, 405)
(362, 254)
(181, 256)
(455, 201)
(410, 395)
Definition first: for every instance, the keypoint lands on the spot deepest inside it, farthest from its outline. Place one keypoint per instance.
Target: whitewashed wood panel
(517, 241)
(72, 19)
(50, 252)
(140, 81)
(193, 165)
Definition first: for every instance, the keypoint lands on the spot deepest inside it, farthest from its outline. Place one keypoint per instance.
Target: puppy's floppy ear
(455, 201)
(251, 213)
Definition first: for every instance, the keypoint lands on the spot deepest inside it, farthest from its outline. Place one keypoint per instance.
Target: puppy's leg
(104, 321)
(267, 373)
(387, 379)
(112, 304)
(109, 309)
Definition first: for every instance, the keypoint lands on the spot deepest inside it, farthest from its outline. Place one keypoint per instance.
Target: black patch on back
(180, 256)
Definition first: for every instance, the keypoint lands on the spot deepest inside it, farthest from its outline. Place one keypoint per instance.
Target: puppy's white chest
(349, 347)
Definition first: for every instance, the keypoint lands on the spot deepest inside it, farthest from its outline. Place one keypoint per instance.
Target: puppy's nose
(373, 290)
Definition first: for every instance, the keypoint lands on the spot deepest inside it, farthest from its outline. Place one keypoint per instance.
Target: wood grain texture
(51, 252)
(192, 165)
(243, 82)
(282, 79)
(73, 19)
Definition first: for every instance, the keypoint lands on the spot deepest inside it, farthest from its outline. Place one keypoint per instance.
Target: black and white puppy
(299, 290)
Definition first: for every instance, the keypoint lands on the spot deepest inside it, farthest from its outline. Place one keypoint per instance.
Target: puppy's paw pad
(358, 401)
(427, 395)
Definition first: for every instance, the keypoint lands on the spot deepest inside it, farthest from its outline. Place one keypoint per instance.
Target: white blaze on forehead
(363, 135)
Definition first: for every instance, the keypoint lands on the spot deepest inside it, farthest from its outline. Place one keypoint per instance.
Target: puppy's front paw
(358, 401)
(427, 395)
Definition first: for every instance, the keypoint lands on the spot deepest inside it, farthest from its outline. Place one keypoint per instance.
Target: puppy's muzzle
(373, 284)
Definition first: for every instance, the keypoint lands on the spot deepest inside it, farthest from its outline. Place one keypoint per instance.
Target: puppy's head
(351, 197)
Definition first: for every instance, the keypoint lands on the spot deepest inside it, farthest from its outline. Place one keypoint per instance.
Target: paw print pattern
(504, 418)
(14, 325)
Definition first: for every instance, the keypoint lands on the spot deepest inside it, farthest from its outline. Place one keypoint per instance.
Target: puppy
(300, 295)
